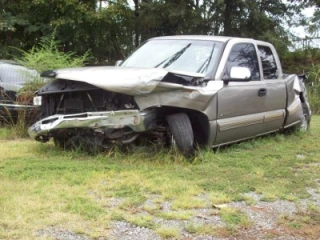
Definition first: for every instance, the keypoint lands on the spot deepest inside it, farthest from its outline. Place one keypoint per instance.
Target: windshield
(194, 56)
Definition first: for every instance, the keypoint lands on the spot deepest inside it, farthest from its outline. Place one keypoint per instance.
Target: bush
(314, 88)
(314, 98)
(47, 56)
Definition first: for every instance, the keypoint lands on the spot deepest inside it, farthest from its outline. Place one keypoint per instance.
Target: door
(241, 105)
(276, 89)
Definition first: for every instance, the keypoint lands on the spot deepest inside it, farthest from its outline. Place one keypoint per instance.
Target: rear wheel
(182, 133)
(305, 120)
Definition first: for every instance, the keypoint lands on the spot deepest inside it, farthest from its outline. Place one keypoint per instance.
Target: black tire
(60, 142)
(182, 133)
(305, 121)
(83, 144)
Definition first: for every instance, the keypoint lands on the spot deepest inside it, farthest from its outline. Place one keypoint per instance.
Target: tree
(111, 29)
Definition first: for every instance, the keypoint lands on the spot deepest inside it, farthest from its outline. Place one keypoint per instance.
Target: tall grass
(314, 88)
(314, 98)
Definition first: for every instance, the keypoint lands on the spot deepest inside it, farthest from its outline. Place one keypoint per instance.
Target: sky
(301, 31)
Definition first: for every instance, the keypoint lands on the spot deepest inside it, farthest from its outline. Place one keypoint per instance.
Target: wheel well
(301, 97)
(199, 122)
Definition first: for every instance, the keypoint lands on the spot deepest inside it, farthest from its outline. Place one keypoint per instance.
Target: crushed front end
(76, 112)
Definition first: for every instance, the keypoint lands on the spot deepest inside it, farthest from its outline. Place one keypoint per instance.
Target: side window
(269, 65)
(243, 55)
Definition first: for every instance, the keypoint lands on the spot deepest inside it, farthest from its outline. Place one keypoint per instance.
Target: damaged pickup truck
(185, 91)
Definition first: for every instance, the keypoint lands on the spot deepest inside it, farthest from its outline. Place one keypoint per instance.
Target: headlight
(37, 101)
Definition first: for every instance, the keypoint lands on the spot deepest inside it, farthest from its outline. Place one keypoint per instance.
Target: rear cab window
(269, 65)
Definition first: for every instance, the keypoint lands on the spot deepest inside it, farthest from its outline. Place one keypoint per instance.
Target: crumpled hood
(132, 81)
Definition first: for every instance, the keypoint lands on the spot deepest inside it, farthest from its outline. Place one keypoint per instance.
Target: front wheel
(84, 144)
(60, 142)
(182, 133)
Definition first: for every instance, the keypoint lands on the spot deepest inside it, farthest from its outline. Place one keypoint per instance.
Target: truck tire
(181, 129)
(305, 120)
(60, 142)
(83, 144)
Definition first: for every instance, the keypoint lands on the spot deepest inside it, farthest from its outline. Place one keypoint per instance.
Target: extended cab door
(276, 88)
(248, 108)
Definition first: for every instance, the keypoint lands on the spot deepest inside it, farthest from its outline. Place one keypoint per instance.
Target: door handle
(262, 92)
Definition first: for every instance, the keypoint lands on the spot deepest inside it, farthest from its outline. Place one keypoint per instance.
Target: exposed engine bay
(75, 101)
(69, 97)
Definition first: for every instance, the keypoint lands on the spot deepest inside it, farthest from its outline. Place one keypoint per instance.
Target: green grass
(181, 215)
(42, 186)
(201, 229)
(167, 232)
(235, 217)
(141, 220)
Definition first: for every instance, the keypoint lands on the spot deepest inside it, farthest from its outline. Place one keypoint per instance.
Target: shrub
(314, 88)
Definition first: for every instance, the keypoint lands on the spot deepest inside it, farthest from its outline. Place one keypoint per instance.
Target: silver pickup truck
(185, 91)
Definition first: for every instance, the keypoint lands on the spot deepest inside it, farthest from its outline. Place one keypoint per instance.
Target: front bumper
(134, 119)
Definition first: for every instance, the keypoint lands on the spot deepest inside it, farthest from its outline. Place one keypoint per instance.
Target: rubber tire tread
(305, 111)
(181, 129)
(60, 142)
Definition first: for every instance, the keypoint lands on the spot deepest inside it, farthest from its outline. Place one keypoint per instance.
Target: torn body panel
(295, 91)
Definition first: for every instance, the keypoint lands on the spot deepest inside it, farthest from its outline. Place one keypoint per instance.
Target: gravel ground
(264, 216)
(61, 234)
(127, 231)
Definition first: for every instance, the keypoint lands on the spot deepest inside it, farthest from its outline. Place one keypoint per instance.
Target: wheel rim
(173, 144)
(304, 123)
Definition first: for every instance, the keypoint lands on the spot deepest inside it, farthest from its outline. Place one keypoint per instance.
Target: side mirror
(240, 73)
(118, 63)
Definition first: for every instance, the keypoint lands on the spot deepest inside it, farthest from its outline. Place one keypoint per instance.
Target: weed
(235, 217)
(132, 204)
(152, 209)
(249, 200)
(141, 220)
(201, 229)
(176, 215)
(187, 202)
(219, 198)
(167, 232)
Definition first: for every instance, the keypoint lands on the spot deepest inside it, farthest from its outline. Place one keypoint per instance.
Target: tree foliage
(111, 29)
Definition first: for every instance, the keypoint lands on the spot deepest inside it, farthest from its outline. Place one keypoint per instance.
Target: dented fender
(190, 97)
